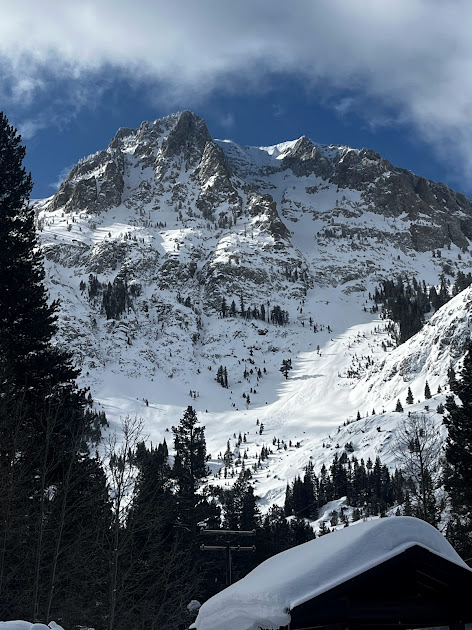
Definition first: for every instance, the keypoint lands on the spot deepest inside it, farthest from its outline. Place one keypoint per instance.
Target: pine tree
(46, 422)
(27, 321)
(324, 529)
(458, 470)
(40, 374)
(427, 391)
(407, 508)
(286, 367)
(288, 503)
(399, 407)
(189, 464)
(250, 515)
(451, 377)
(224, 307)
(156, 573)
(409, 397)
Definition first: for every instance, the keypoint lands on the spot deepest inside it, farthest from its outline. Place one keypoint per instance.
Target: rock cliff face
(173, 254)
(167, 206)
(434, 215)
(94, 185)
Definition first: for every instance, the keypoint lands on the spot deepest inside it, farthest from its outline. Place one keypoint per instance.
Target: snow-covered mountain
(174, 255)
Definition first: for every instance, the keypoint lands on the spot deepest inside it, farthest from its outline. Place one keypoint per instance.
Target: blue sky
(391, 75)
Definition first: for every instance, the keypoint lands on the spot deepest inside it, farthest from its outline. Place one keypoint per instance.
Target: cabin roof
(285, 585)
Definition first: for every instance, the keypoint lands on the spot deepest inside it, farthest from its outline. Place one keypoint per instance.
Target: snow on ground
(315, 408)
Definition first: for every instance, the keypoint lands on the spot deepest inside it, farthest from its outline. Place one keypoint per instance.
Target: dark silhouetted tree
(47, 424)
(286, 367)
(458, 469)
(427, 391)
(189, 465)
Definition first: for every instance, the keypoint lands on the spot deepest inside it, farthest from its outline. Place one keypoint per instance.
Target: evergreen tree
(274, 536)
(310, 484)
(224, 307)
(398, 407)
(250, 514)
(407, 507)
(458, 470)
(324, 529)
(27, 321)
(427, 391)
(286, 367)
(41, 375)
(451, 377)
(409, 397)
(288, 503)
(301, 531)
(189, 465)
(46, 422)
(405, 304)
(156, 570)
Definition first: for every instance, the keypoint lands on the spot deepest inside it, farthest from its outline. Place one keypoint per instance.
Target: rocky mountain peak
(121, 134)
(187, 138)
(174, 255)
(303, 149)
(264, 210)
(306, 158)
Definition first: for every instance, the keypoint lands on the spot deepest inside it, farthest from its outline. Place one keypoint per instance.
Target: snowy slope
(185, 221)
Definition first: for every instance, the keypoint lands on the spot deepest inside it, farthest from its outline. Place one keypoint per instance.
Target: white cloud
(277, 110)
(30, 127)
(226, 121)
(345, 105)
(61, 177)
(412, 56)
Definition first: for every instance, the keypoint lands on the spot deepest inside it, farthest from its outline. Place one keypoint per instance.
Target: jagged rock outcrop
(214, 176)
(264, 210)
(94, 185)
(187, 139)
(305, 158)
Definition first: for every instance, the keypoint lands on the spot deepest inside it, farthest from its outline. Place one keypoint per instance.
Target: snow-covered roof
(27, 625)
(265, 597)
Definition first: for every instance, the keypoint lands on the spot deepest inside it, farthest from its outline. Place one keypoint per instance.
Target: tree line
(275, 315)
(407, 303)
(366, 485)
